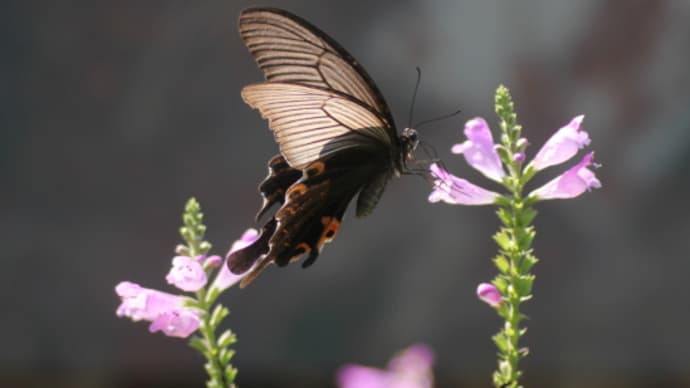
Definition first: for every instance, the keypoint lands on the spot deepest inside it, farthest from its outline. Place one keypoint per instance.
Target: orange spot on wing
(315, 168)
(296, 190)
(332, 225)
(302, 248)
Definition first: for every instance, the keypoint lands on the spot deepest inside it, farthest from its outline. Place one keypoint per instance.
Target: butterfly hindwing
(312, 211)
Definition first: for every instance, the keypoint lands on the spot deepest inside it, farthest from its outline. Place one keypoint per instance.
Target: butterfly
(335, 132)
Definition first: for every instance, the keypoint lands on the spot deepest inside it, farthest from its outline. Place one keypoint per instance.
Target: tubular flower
(225, 278)
(571, 183)
(562, 145)
(165, 311)
(411, 368)
(187, 274)
(457, 191)
(479, 149)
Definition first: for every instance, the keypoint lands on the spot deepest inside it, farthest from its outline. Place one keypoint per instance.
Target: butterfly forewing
(290, 49)
(309, 123)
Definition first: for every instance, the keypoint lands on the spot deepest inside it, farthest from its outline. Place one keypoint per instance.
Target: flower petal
(187, 274)
(357, 376)
(176, 323)
(562, 145)
(225, 278)
(410, 368)
(479, 151)
(571, 183)
(139, 303)
(457, 191)
(489, 294)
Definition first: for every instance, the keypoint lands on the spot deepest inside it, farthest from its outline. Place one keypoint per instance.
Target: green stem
(214, 366)
(514, 260)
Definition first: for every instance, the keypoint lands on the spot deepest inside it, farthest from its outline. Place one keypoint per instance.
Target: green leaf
(199, 344)
(212, 295)
(211, 370)
(523, 284)
(524, 237)
(501, 342)
(502, 264)
(225, 356)
(526, 216)
(527, 262)
(501, 284)
(503, 154)
(503, 239)
(219, 313)
(230, 374)
(505, 216)
(226, 339)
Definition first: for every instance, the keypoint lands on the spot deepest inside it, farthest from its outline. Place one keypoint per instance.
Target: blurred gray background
(115, 112)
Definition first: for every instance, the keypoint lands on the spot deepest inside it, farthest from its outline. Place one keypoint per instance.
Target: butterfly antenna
(446, 116)
(414, 96)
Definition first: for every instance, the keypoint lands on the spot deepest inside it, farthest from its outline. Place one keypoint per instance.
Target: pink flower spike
(457, 191)
(225, 278)
(187, 274)
(571, 183)
(479, 150)
(519, 157)
(562, 145)
(489, 294)
(411, 368)
(176, 323)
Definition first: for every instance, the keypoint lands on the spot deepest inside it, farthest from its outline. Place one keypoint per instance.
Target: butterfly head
(409, 141)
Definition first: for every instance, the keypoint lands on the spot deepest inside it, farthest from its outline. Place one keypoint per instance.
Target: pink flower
(489, 294)
(225, 278)
(479, 149)
(165, 311)
(187, 274)
(571, 183)
(457, 191)
(176, 323)
(562, 145)
(411, 368)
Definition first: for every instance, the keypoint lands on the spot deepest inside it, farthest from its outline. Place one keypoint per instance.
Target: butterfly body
(336, 136)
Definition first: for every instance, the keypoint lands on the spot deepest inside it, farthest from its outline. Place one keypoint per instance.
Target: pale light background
(115, 112)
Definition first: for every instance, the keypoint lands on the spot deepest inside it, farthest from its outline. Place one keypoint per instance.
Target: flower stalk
(216, 349)
(514, 238)
(195, 314)
(513, 284)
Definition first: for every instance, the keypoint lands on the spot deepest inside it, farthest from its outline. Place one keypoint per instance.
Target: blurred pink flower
(479, 149)
(457, 191)
(225, 278)
(186, 273)
(165, 311)
(489, 294)
(571, 183)
(562, 145)
(411, 368)
(176, 323)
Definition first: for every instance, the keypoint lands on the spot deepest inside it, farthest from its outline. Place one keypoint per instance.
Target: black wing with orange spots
(311, 209)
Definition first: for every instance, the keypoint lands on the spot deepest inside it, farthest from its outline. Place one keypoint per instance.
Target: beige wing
(309, 122)
(289, 49)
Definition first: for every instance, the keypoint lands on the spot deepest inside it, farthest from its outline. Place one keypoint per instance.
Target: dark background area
(113, 113)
